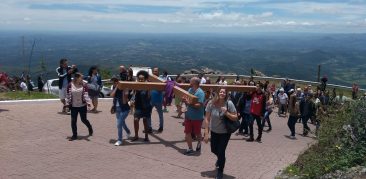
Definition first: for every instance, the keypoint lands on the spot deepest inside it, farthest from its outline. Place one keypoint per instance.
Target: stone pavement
(33, 144)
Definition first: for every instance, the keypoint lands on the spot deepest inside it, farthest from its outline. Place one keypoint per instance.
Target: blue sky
(180, 16)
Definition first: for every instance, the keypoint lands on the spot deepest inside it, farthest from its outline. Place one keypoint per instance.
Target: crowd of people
(299, 104)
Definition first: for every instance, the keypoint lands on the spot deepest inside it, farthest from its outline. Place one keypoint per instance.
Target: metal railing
(269, 78)
(263, 78)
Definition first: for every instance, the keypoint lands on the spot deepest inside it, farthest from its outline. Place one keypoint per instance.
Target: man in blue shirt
(157, 102)
(194, 115)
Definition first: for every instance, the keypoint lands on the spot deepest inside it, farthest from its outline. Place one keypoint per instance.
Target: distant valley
(341, 56)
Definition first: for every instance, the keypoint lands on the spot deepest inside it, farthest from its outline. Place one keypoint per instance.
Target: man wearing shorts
(64, 73)
(194, 115)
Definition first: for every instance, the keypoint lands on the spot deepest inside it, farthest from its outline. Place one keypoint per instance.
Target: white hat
(298, 89)
(291, 90)
(282, 90)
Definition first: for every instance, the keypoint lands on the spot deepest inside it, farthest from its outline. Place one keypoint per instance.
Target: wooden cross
(181, 90)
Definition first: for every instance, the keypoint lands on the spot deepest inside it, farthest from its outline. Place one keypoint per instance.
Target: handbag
(92, 86)
(113, 109)
(231, 126)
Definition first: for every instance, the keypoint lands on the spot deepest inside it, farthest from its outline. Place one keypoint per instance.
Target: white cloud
(291, 23)
(194, 15)
(267, 14)
(307, 24)
(211, 16)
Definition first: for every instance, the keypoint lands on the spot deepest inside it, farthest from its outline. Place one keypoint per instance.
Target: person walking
(64, 73)
(308, 110)
(194, 115)
(282, 102)
(257, 110)
(143, 106)
(94, 85)
(294, 110)
(217, 108)
(244, 111)
(78, 100)
(121, 108)
(269, 109)
(178, 100)
(157, 102)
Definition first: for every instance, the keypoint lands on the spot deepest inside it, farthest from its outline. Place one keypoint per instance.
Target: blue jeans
(159, 108)
(266, 119)
(121, 117)
(246, 118)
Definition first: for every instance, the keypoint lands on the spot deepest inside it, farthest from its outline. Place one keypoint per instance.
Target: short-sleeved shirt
(196, 113)
(217, 124)
(283, 98)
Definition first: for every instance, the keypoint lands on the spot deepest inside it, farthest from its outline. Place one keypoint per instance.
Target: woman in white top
(282, 102)
(269, 109)
(78, 100)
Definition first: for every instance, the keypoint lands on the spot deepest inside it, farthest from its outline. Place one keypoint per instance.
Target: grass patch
(20, 95)
(341, 143)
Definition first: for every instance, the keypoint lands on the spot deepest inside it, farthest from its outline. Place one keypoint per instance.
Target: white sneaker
(118, 143)
(128, 135)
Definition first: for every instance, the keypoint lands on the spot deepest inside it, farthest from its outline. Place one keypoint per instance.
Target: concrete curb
(39, 100)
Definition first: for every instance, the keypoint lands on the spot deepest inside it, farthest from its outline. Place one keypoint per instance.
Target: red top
(258, 104)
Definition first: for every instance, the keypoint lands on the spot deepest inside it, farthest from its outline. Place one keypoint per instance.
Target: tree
(43, 65)
(105, 73)
(252, 71)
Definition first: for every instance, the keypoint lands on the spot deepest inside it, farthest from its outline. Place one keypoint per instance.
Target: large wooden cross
(181, 91)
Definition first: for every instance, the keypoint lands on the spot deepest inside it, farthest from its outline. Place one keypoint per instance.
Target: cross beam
(214, 87)
(180, 91)
(208, 87)
(141, 85)
(177, 90)
(160, 86)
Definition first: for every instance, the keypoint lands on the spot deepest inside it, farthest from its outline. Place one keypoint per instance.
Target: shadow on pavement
(212, 174)
(4, 110)
(80, 138)
(170, 144)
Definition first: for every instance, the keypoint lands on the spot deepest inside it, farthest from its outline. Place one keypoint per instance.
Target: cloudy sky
(224, 16)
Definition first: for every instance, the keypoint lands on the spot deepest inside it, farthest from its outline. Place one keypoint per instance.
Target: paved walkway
(33, 144)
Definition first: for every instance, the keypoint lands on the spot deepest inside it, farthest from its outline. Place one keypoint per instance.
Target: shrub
(341, 143)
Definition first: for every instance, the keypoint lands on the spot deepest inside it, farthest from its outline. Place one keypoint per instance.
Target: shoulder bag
(231, 126)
